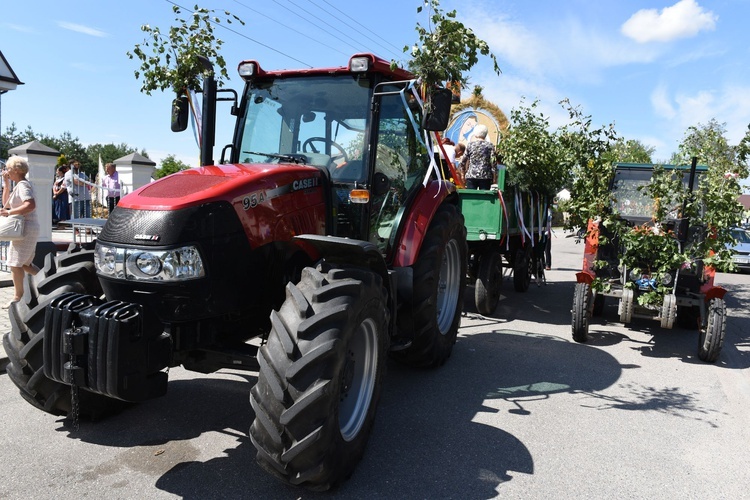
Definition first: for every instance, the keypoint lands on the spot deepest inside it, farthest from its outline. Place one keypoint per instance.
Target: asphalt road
(519, 411)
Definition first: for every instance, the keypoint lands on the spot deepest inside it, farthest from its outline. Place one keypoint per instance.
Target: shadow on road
(429, 440)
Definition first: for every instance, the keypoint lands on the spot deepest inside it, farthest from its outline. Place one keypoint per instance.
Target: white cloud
(661, 103)
(79, 28)
(567, 49)
(20, 28)
(682, 20)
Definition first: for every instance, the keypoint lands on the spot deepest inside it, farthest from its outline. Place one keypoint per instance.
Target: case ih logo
(147, 237)
(305, 183)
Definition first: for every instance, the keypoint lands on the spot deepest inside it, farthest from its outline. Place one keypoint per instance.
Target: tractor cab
(358, 125)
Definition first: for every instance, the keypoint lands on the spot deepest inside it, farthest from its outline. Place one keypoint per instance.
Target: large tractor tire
(70, 272)
(489, 279)
(712, 335)
(580, 312)
(320, 377)
(432, 316)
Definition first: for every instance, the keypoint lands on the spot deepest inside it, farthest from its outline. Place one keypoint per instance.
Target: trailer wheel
(320, 376)
(489, 279)
(522, 270)
(580, 312)
(69, 272)
(668, 311)
(626, 306)
(712, 335)
(432, 316)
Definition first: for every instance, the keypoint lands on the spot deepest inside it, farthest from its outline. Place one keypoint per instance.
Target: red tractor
(327, 241)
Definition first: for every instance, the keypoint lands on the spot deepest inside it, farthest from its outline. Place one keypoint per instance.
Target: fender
(417, 220)
(354, 253)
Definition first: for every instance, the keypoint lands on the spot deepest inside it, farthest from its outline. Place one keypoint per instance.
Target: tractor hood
(244, 184)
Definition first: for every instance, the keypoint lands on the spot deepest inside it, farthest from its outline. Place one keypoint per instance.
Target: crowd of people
(71, 191)
(71, 198)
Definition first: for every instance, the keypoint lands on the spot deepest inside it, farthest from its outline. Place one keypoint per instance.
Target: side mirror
(437, 119)
(180, 114)
(380, 184)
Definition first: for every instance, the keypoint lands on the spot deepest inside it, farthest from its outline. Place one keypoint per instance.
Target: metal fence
(4, 256)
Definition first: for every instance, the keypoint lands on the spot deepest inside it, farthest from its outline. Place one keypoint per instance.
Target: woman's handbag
(11, 228)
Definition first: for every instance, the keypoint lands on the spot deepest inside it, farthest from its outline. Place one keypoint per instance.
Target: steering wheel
(309, 142)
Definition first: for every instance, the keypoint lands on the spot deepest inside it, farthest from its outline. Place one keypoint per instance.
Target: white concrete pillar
(134, 171)
(42, 165)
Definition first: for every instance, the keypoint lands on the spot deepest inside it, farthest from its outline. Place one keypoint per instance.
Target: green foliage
(658, 250)
(111, 152)
(719, 188)
(630, 151)
(70, 148)
(586, 154)
(446, 49)
(531, 153)
(170, 60)
(169, 165)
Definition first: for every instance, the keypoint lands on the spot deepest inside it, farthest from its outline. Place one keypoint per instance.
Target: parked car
(741, 248)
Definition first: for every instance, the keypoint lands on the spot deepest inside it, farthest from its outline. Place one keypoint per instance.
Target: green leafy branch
(170, 60)
(446, 49)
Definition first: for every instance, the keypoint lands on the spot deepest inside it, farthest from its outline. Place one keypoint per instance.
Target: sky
(651, 67)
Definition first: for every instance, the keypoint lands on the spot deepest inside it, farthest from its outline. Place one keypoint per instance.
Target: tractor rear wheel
(489, 279)
(432, 316)
(580, 312)
(320, 376)
(712, 335)
(70, 272)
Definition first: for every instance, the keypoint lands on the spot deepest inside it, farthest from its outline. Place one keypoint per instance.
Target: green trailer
(504, 228)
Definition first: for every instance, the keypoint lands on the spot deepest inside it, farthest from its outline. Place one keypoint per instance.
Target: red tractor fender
(417, 220)
(590, 249)
(714, 292)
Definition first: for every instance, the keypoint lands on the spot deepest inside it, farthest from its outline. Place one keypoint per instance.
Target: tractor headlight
(635, 274)
(666, 279)
(176, 264)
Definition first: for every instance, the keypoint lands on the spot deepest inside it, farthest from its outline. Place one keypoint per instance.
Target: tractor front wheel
(712, 334)
(320, 376)
(580, 312)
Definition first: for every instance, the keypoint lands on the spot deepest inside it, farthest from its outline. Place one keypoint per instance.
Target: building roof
(744, 200)
(8, 78)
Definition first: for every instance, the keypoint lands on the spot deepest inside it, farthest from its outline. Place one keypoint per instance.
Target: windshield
(741, 235)
(317, 120)
(630, 196)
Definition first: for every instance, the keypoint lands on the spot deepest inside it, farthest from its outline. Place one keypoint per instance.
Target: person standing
(70, 188)
(60, 209)
(111, 183)
(80, 191)
(478, 160)
(20, 201)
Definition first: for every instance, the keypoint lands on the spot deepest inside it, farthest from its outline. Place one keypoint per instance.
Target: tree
(446, 49)
(531, 152)
(169, 165)
(13, 137)
(110, 152)
(586, 152)
(716, 204)
(173, 59)
(631, 151)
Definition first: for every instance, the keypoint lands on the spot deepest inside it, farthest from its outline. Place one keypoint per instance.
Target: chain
(74, 404)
